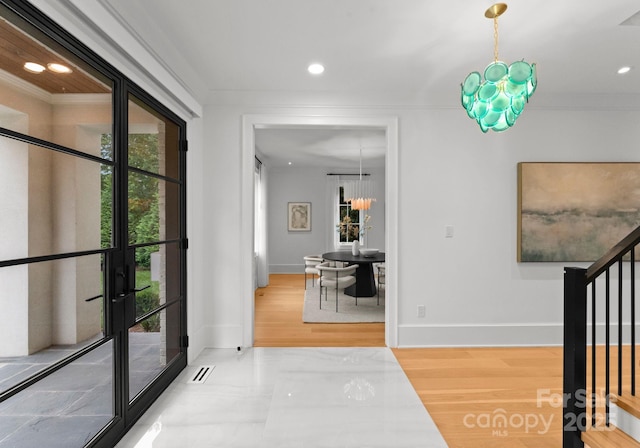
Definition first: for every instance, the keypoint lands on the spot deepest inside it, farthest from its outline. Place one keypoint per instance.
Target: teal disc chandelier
(496, 100)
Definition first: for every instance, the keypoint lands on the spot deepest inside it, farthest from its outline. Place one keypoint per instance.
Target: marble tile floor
(289, 397)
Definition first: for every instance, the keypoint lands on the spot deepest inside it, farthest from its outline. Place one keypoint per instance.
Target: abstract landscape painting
(575, 211)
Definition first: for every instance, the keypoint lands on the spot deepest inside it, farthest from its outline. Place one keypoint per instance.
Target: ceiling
(329, 147)
(17, 47)
(404, 51)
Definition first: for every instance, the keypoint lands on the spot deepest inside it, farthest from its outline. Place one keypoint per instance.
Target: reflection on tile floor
(289, 397)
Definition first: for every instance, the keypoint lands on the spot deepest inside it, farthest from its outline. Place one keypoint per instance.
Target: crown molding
(124, 23)
(93, 22)
(405, 100)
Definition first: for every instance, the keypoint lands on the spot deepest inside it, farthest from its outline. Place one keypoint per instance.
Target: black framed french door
(92, 240)
(152, 306)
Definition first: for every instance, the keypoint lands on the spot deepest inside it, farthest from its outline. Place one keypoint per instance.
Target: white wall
(450, 174)
(291, 184)
(286, 249)
(198, 257)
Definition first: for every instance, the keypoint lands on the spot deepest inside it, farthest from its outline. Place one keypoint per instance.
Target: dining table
(365, 285)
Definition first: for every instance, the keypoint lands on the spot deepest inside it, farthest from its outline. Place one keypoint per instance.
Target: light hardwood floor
(478, 397)
(278, 320)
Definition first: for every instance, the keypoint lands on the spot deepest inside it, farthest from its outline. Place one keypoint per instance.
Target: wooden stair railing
(583, 406)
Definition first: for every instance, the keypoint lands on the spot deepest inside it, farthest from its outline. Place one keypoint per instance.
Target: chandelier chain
(495, 39)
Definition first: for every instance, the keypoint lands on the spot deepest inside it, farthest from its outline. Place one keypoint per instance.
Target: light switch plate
(448, 231)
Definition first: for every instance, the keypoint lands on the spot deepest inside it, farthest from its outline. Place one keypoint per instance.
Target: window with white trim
(349, 221)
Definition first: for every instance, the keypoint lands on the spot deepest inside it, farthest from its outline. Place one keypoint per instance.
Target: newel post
(574, 357)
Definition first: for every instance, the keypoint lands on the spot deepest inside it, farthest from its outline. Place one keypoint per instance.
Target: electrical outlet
(421, 311)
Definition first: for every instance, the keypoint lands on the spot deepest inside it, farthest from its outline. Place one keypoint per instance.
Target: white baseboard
(196, 344)
(286, 269)
(479, 335)
(498, 335)
(222, 336)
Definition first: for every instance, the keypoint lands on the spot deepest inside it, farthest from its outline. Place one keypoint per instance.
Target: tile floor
(63, 410)
(289, 397)
(67, 408)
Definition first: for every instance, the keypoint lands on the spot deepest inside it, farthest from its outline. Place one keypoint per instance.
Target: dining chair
(337, 278)
(310, 263)
(381, 279)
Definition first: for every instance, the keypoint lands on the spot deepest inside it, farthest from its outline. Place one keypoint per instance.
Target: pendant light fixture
(359, 192)
(496, 101)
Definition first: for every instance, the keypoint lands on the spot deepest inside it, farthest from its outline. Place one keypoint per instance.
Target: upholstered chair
(337, 278)
(310, 263)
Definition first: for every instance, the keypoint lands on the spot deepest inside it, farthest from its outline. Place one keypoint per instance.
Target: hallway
(290, 397)
(452, 383)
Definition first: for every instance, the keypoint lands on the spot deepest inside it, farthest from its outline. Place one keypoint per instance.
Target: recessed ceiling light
(623, 70)
(316, 69)
(290, 163)
(33, 67)
(58, 68)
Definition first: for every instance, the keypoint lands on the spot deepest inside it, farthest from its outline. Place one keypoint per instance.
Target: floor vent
(201, 375)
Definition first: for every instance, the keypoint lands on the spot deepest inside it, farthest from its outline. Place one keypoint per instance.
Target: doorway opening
(388, 125)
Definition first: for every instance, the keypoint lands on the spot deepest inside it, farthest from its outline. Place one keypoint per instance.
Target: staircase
(625, 412)
(601, 407)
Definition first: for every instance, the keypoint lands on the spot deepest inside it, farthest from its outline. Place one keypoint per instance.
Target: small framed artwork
(299, 216)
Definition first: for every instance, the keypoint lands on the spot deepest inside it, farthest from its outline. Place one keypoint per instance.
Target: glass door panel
(56, 362)
(46, 318)
(65, 409)
(154, 222)
(152, 209)
(48, 92)
(57, 358)
(154, 140)
(153, 343)
(158, 282)
(52, 202)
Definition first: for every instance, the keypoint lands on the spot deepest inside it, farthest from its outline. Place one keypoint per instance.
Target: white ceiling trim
(145, 45)
(392, 101)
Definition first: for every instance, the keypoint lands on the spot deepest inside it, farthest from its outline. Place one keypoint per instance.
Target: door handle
(120, 297)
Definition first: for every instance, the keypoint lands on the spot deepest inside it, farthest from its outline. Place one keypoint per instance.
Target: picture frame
(299, 216)
(575, 211)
